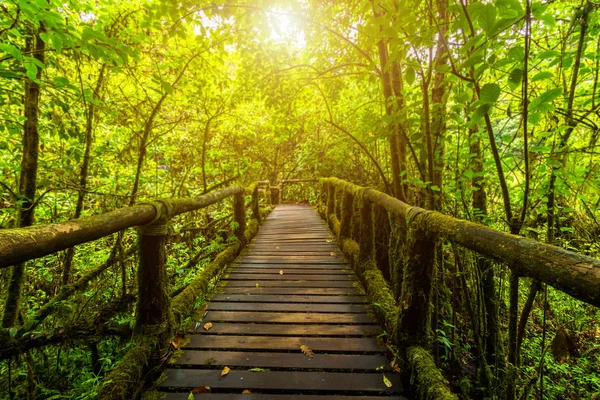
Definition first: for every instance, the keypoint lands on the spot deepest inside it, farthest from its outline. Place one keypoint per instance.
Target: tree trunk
(85, 166)
(28, 177)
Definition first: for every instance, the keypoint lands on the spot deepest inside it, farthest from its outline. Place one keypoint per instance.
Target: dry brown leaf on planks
(176, 343)
(387, 382)
(225, 371)
(201, 389)
(281, 272)
(208, 325)
(246, 392)
(306, 351)
(333, 253)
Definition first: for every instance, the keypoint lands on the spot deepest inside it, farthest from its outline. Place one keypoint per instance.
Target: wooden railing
(155, 311)
(404, 293)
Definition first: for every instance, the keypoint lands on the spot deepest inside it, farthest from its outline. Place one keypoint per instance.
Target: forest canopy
(485, 110)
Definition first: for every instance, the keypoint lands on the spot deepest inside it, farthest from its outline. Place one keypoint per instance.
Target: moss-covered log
(22, 244)
(184, 303)
(417, 277)
(118, 383)
(427, 378)
(572, 273)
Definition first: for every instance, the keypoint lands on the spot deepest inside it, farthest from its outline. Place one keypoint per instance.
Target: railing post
(153, 302)
(347, 211)
(239, 215)
(367, 240)
(330, 199)
(280, 192)
(255, 205)
(417, 278)
(274, 191)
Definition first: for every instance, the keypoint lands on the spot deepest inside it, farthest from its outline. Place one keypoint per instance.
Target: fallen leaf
(259, 370)
(176, 343)
(201, 389)
(225, 371)
(281, 272)
(333, 253)
(306, 351)
(257, 285)
(208, 325)
(380, 368)
(210, 361)
(387, 381)
(246, 392)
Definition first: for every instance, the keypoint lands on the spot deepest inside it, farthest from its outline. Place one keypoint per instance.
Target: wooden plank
(231, 396)
(288, 318)
(287, 343)
(286, 291)
(295, 307)
(277, 276)
(292, 271)
(188, 379)
(288, 298)
(219, 328)
(293, 253)
(282, 360)
(290, 284)
(276, 265)
(283, 261)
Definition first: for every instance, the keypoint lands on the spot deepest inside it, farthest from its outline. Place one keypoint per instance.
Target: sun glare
(286, 29)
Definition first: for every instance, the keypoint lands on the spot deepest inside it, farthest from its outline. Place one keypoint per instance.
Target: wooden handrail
(22, 244)
(570, 272)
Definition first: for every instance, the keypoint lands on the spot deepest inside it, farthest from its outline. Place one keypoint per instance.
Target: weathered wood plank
(286, 291)
(188, 379)
(292, 271)
(282, 360)
(287, 298)
(283, 276)
(290, 283)
(288, 318)
(295, 307)
(231, 396)
(219, 328)
(290, 265)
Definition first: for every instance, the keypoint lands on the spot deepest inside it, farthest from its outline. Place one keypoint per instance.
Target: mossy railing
(404, 292)
(156, 313)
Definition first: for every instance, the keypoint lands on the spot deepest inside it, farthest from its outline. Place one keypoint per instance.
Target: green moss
(380, 294)
(118, 383)
(183, 304)
(426, 377)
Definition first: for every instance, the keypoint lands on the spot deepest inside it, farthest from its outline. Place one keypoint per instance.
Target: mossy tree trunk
(29, 166)
(415, 302)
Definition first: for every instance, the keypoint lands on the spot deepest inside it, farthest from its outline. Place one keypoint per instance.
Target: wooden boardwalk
(292, 288)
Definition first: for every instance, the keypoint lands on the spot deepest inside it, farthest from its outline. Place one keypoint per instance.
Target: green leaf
(484, 15)
(12, 50)
(514, 78)
(489, 93)
(409, 75)
(57, 43)
(542, 76)
(13, 332)
(543, 103)
(31, 71)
